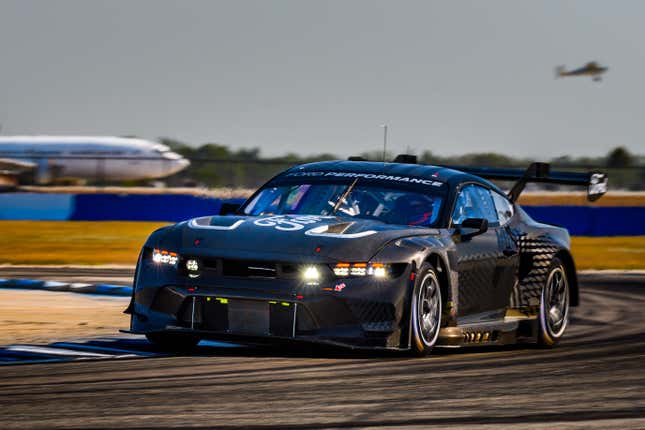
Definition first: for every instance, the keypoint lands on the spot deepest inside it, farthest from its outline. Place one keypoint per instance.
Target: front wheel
(554, 305)
(425, 311)
(173, 341)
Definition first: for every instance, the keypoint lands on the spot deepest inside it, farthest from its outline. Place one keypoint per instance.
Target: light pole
(384, 140)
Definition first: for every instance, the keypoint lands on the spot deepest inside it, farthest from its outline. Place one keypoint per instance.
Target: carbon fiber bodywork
(250, 286)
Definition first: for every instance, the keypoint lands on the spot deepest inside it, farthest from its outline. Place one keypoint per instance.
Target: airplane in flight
(51, 159)
(592, 69)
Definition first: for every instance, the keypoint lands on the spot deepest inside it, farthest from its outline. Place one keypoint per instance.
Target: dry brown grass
(73, 242)
(117, 242)
(620, 252)
(612, 198)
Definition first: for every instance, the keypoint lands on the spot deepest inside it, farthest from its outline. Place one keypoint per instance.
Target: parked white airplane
(53, 158)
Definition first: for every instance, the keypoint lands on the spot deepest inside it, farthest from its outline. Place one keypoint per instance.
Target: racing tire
(554, 305)
(173, 341)
(425, 311)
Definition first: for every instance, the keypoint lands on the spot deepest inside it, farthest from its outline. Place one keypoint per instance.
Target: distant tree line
(217, 165)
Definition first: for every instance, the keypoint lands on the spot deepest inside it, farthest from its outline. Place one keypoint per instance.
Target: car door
(484, 287)
(508, 261)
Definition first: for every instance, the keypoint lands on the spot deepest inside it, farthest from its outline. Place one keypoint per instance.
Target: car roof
(436, 173)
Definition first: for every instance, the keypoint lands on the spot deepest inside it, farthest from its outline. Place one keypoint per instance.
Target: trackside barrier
(142, 207)
(108, 207)
(579, 220)
(593, 220)
(36, 206)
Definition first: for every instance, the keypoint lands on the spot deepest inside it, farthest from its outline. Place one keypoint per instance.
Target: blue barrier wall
(30, 206)
(107, 207)
(580, 220)
(143, 207)
(593, 220)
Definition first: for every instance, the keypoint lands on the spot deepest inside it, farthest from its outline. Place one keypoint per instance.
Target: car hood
(291, 237)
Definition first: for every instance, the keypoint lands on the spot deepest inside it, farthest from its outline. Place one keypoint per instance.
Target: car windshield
(390, 205)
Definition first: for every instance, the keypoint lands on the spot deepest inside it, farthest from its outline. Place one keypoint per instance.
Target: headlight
(192, 265)
(311, 273)
(161, 256)
(378, 270)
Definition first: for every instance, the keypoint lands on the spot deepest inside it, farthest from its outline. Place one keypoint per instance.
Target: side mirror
(229, 208)
(475, 226)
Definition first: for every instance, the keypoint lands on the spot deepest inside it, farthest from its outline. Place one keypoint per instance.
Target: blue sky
(321, 76)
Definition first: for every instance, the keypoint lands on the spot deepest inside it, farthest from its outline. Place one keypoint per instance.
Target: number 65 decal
(281, 222)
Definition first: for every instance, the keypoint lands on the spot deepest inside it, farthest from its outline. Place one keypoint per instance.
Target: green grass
(119, 242)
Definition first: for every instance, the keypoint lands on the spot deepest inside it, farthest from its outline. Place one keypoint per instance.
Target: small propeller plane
(592, 69)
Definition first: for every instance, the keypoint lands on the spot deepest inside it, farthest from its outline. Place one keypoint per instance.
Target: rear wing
(596, 182)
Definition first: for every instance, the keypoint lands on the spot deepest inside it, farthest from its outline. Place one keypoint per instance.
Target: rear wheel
(554, 305)
(173, 341)
(425, 313)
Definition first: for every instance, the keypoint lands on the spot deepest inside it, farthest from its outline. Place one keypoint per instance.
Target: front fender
(439, 251)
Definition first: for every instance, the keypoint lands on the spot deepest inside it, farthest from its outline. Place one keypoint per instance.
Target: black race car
(368, 255)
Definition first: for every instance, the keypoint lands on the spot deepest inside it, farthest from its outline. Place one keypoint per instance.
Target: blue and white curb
(74, 287)
(97, 349)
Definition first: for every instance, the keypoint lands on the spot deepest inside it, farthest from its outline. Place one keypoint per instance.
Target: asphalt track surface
(594, 379)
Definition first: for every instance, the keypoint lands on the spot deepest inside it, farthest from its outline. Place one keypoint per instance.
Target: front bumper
(356, 312)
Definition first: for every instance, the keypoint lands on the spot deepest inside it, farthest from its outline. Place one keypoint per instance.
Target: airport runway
(594, 379)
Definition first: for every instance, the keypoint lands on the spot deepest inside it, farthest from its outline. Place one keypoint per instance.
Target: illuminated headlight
(161, 256)
(358, 269)
(311, 273)
(341, 269)
(378, 270)
(192, 265)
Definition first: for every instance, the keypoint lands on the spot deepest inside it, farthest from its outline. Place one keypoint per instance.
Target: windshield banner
(405, 179)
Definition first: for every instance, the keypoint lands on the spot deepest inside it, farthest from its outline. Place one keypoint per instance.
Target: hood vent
(338, 228)
(338, 231)
(217, 223)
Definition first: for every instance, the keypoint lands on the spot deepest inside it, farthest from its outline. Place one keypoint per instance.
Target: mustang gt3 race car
(365, 255)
